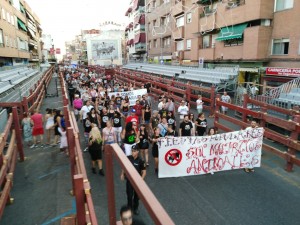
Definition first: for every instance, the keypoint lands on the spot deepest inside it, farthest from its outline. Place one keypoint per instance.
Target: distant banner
(186, 156)
(132, 95)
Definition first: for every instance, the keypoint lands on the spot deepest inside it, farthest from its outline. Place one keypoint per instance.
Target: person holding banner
(139, 165)
(253, 125)
(186, 127)
(130, 137)
(154, 140)
(171, 132)
(144, 144)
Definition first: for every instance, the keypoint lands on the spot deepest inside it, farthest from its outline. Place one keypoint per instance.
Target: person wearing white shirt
(225, 98)
(182, 110)
(85, 109)
(199, 103)
(253, 125)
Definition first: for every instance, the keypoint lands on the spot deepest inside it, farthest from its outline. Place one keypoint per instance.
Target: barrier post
(212, 100)
(80, 202)
(245, 106)
(18, 133)
(71, 148)
(110, 184)
(188, 92)
(291, 151)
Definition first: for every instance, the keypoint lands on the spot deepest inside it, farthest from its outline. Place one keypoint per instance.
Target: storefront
(276, 76)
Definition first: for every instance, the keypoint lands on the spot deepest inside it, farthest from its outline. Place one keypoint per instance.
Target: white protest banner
(132, 95)
(186, 156)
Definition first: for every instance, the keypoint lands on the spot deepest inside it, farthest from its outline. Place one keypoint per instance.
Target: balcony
(34, 57)
(178, 9)
(140, 47)
(237, 12)
(178, 33)
(206, 2)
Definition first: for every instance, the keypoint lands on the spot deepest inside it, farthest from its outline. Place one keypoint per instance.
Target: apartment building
(135, 32)
(20, 33)
(250, 34)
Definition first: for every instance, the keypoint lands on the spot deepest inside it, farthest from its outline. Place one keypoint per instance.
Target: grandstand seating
(211, 76)
(293, 97)
(10, 78)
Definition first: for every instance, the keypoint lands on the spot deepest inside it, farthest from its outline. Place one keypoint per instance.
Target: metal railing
(81, 189)
(154, 208)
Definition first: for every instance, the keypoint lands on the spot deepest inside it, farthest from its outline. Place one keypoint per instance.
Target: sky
(64, 19)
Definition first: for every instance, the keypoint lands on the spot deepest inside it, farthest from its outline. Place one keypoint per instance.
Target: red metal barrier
(292, 126)
(154, 208)
(173, 88)
(8, 161)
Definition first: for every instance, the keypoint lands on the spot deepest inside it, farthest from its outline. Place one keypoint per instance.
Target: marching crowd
(109, 116)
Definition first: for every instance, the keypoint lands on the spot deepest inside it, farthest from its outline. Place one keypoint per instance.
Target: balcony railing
(235, 3)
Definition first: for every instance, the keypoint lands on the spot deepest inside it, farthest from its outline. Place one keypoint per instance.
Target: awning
(135, 4)
(22, 25)
(232, 32)
(204, 2)
(140, 38)
(32, 34)
(249, 69)
(30, 16)
(128, 11)
(22, 8)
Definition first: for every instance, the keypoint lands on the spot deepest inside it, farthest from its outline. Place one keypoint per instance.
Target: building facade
(251, 34)
(20, 33)
(135, 32)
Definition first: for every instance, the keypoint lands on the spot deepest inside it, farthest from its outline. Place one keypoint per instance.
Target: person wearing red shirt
(133, 118)
(37, 129)
(138, 110)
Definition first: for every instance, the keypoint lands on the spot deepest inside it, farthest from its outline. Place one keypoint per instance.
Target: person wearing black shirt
(117, 126)
(139, 165)
(201, 124)
(104, 118)
(171, 119)
(154, 140)
(163, 112)
(171, 132)
(71, 91)
(186, 127)
(147, 86)
(126, 217)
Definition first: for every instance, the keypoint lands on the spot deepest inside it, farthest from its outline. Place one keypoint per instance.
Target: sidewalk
(42, 183)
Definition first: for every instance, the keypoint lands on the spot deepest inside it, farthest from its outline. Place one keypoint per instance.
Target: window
(283, 4)
(234, 42)
(149, 45)
(11, 44)
(12, 20)
(179, 45)
(163, 21)
(6, 41)
(188, 44)
(22, 44)
(154, 23)
(180, 21)
(3, 13)
(149, 24)
(280, 46)
(155, 43)
(189, 17)
(1, 38)
(154, 4)
(8, 17)
(206, 41)
(166, 41)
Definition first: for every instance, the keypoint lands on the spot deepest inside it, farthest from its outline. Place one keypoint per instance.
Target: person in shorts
(37, 127)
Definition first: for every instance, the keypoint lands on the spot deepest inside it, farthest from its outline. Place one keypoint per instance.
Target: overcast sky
(63, 19)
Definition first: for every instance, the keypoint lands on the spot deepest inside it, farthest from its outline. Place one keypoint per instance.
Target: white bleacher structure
(16, 83)
(215, 76)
